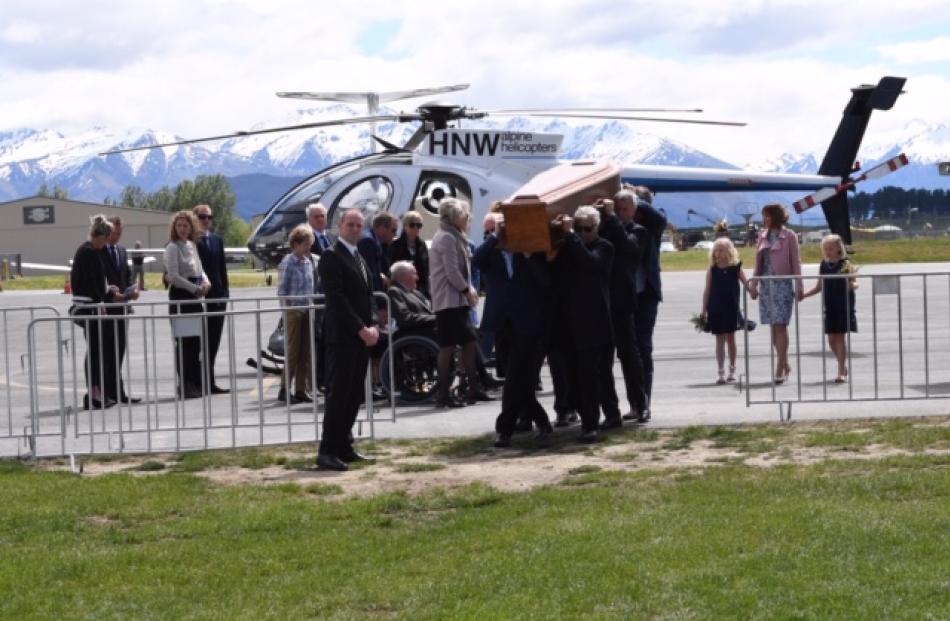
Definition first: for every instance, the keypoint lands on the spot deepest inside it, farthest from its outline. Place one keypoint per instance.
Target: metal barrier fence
(58, 423)
(901, 350)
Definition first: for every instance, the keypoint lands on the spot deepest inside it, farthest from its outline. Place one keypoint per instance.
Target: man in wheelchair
(411, 310)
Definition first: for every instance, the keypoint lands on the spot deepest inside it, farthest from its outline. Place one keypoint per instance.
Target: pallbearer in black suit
(349, 333)
(116, 262)
(211, 252)
(582, 306)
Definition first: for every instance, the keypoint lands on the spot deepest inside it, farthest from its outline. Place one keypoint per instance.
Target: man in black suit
(349, 333)
(373, 246)
(582, 321)
(116, 261)
(617, 227)
(652, 223)
(322, 240)
(211, 253)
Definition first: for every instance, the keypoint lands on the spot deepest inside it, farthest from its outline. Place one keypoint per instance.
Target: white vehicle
(481, 166)
(667, 247)
(703, 245)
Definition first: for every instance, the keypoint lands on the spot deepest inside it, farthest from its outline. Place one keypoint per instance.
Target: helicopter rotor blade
(271, 130)
(625, 118)
(558, 111)
(360, 97)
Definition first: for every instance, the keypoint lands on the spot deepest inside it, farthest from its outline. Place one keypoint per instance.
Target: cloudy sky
(198, 67)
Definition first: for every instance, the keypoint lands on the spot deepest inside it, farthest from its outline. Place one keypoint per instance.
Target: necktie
(115, 256)
(359, 261)
(324, 244)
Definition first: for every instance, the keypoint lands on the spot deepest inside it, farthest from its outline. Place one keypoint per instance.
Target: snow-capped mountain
(29, 157)
(924, 144)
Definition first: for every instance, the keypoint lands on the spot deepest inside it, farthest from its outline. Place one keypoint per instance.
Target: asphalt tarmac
(900, 366)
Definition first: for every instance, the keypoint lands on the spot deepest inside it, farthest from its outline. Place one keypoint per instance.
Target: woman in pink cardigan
(776, 254)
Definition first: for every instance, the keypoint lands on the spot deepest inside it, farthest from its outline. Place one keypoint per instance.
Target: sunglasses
(415, 225)
(205, 216)
(583, 229)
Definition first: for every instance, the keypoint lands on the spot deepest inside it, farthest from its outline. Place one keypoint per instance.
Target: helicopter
(443, 160)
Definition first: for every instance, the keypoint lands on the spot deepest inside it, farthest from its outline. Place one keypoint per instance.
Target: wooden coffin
(559, 190)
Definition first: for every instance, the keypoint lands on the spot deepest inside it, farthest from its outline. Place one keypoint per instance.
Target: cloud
(915, 52)
(203, 67)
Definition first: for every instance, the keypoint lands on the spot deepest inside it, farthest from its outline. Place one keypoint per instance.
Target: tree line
(213, 190)
(892, 203)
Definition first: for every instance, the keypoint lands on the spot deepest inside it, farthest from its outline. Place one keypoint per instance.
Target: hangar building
(48, 230)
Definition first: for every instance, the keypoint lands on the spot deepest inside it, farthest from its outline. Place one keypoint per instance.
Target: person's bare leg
(721, 357)
(731, 345)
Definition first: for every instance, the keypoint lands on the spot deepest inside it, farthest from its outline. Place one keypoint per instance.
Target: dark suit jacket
(412, 311)
(529, 294)
(623, 274)
(211, 253)
(490, 263)
(349, 298)
(583, 300)
(651, 223)
(375, 256)
(119, 275)
(316, 249)
(399, 251)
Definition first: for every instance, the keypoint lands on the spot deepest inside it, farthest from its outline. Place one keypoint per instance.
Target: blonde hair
(411, 216)
(724, 243)
(838, 243)
(99, 226)
(184, 214)
(301, 233)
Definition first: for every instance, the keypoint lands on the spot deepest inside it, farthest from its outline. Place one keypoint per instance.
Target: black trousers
(100, 362)
(559, 363)
(113, 357)
(585, 385)
(518, 400)
(645, 320)
(625, 337)
(215, 330)
(187, 349)
(346, 374)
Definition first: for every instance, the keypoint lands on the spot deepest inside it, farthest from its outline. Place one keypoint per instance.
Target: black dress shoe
(128, 399)
(354, 455)
(523, 426)
(325, 461)
(565, 419)
(301, 397)
(503, 440)
(282, 395)
(217, 390)
(613, 422)
(544, 432)
(476, 396)
(449, 402)
(644, 416)
(588, 437)
(96, 404)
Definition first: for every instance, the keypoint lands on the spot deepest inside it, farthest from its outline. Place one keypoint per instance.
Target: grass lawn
(237, 278)
(935, 249)
(843, 537)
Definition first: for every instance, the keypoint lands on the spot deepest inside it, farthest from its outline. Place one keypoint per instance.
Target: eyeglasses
(583, 229)
(414, 225)
(205, 216)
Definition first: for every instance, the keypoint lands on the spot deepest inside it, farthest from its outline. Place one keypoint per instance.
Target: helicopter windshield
(370, 195)
(291, 209)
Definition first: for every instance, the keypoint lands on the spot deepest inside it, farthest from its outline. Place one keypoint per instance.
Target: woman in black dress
(410, 246)
(837, 300)
(721, 303)
(88, 281)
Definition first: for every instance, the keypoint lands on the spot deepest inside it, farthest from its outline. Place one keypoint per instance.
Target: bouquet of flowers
(849, 267)
(699, 322)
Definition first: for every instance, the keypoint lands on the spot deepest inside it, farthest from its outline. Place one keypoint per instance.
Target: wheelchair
(414, 377)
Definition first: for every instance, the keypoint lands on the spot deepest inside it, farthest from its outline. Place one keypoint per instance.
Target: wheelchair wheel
(415, 369)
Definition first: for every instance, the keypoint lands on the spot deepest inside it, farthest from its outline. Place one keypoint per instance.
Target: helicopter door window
(369, 195)
(436, 186)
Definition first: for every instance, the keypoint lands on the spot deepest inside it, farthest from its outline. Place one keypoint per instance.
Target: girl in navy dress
(721, 302)
(837, 300)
